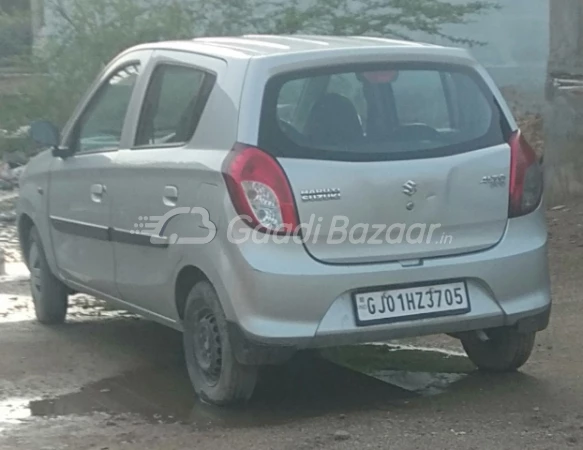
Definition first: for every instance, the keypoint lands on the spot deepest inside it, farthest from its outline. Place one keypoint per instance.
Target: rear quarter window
(375, 113)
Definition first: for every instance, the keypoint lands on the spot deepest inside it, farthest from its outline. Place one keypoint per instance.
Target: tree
(395, 18)
(91, 32)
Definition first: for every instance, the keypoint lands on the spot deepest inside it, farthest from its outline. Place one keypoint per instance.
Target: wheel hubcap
(208, 347)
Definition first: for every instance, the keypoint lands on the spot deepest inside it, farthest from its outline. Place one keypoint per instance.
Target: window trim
(207, 85)
(75, 130)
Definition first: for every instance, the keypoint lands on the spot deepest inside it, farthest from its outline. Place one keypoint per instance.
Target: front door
(79, 195)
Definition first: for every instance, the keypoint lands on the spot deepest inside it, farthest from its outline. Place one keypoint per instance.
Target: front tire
(216, 375)
(49, 294)
(505, 350)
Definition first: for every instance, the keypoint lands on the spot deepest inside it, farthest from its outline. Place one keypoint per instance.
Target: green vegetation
(371, 358)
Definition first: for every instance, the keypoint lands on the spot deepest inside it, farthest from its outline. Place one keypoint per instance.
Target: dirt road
(108, 380)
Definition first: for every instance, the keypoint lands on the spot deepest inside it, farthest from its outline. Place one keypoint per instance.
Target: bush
(16, 148)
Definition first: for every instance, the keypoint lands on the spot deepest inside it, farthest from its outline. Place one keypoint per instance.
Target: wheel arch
(187, 278)
(25, 225)
(26, 221)
(246, 351)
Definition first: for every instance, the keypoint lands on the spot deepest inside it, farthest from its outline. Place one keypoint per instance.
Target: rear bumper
(279, 296)
(248, 350)
(535, 323)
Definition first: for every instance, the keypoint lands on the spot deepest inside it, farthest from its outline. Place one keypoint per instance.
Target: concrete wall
(564, 113)
(516, 50)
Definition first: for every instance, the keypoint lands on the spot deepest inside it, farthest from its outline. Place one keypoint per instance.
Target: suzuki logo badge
(410, 188)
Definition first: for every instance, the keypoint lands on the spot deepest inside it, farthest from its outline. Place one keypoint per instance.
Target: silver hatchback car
(267, 194)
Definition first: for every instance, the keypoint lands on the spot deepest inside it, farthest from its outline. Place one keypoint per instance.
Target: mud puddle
(344, 380)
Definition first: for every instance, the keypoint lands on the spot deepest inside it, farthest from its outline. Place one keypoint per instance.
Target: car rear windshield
(373, 113)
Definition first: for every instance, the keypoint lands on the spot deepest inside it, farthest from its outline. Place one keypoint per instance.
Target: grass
(370, 358)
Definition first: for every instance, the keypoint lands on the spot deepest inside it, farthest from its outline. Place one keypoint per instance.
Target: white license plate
(409, 303)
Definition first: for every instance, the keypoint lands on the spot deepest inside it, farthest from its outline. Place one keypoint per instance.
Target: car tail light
(526, 178)
(260, 190)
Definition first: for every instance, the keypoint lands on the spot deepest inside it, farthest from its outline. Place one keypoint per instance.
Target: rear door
(398, 162)
(161, 177)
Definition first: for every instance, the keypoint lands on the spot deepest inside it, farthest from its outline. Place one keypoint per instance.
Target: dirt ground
(110, 381)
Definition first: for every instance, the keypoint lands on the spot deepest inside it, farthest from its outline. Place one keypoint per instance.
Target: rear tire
(506, 350)
(49, 294)
(216, 375)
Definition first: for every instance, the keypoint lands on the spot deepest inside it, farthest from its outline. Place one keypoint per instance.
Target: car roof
(257, 45)
(270, 44)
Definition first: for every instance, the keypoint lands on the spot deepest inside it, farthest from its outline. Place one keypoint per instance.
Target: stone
(6, 185)
(341, 435)
(17, 158)
(8, 217)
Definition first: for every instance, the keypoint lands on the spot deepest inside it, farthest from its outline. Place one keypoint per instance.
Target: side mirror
(62, 152)
(47, 135)
(44, 133)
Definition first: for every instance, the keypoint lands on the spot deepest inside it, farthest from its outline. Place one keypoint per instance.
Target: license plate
(409, 303)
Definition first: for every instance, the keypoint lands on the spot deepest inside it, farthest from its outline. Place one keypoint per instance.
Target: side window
(173, 105)
(101, 124)
(420, 98)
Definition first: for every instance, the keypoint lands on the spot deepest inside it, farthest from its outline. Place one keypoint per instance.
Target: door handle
(97, 191)
(170, 196)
